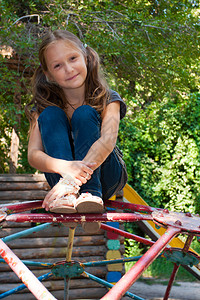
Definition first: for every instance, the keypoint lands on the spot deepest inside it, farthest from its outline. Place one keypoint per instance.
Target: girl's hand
(80, 171)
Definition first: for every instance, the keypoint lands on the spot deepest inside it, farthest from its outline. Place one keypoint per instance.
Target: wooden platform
(48, 245)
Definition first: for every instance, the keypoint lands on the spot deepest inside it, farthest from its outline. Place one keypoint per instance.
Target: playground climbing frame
(175, 223)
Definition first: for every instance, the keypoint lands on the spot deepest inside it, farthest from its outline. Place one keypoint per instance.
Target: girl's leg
(112, 176)
(56, 137)
(86, 129)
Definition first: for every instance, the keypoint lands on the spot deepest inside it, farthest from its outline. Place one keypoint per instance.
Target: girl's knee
(85, 113)
(51, 113)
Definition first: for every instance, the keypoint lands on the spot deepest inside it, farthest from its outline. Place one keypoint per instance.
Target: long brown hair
(47, 93)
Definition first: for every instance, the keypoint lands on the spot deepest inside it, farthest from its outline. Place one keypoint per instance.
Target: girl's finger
(78, 181)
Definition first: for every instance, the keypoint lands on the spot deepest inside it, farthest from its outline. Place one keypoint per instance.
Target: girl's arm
(100, 150)
(38, 159)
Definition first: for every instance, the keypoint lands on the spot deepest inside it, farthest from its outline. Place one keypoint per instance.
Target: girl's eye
(57, 66)
(73, 57)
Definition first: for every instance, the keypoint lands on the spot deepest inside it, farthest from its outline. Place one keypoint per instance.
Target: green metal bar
(32, 263)
(25, 232)
(112, 261)
(110, 285)
(23, 286)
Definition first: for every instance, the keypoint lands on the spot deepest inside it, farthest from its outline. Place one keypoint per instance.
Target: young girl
(74, 126)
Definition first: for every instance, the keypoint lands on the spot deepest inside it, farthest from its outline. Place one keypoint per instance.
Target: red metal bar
(130, 206)
(19, 207)
(188, 243)
(26, 276)
(127, 234)
(78, 218)
(173, 275)
(122, 286)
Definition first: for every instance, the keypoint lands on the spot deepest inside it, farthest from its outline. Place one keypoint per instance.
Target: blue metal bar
(32, 263)
(112, 261)
(110, 285)
(25, 232)
(23, 286)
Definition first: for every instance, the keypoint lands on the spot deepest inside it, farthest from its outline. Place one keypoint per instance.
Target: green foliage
(12, 116)
(161, 147)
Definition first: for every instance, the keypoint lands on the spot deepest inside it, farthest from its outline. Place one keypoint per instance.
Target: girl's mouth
(73, 77)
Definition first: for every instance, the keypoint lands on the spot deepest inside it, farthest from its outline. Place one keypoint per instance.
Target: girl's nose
(68, 68)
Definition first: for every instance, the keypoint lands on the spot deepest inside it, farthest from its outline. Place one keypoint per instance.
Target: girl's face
(66, 65)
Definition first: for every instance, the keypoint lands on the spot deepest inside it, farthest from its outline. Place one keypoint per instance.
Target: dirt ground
(179, 291)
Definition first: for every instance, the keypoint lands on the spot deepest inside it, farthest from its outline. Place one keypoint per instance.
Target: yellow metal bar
(70, 243)
(132, 196)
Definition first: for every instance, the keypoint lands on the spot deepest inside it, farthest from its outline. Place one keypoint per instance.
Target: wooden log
(21, 186)
(6, 224)
(23, 195)
(113, 244)
(59, 252)
(26, 243)
(113, 276)
(4, 267)
(114, 254)
(54, 285)
(22, 177)
(91, 293)
(11, 277)
(54, 231)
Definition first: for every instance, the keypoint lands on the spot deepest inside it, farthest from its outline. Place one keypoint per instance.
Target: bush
(161, 146)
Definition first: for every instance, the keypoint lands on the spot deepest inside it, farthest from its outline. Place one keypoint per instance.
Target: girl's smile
(72, 77)
(66, 66)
